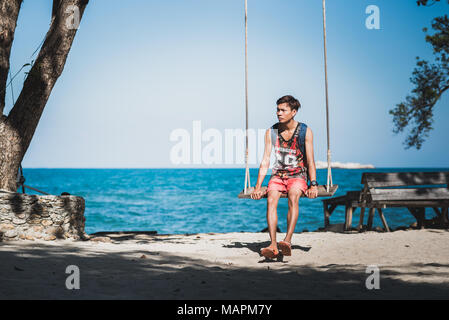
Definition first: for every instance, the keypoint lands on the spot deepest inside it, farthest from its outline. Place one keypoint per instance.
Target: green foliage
(427, 2)
(430, 81)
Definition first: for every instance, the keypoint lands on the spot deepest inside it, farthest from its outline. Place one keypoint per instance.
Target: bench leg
(328, 209)
(348, 217)
(420, 215)
(370, 218)
(384, 222)
(362, 214)
(326, 215)
(445, 215)
(442, 216)
(439, 215)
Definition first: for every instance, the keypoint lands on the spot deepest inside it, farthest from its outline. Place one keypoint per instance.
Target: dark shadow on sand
(37, 271)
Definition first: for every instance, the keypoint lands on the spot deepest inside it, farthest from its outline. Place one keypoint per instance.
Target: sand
(412, 264)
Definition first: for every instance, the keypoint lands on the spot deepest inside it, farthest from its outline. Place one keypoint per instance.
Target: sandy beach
(412, 264)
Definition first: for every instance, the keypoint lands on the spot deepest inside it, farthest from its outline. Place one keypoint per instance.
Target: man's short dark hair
(291, 101)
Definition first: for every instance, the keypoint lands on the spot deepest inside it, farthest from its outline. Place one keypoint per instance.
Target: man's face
(284, 113)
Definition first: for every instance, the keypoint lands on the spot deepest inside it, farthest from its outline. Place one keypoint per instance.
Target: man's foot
(285, 248)
(270, 252)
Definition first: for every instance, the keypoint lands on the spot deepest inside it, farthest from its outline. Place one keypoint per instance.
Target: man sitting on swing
(294, 164)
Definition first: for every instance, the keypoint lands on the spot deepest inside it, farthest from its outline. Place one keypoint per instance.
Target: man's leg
(293, 211)
(272, 216)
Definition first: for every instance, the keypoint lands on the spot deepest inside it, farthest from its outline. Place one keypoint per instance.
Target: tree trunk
(17, 129)
(9, 162)
(9, 11)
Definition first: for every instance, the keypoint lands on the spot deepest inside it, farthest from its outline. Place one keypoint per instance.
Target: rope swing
(323, 191)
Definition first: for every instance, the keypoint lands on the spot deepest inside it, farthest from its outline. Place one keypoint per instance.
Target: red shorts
(285, 184)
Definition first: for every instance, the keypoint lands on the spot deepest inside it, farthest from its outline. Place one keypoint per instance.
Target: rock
(10, 234)
(18, 221)
(58, 232)
(34, 216)
(56, 218)
(84, 237)
(43, 212)
(50, 238)
(47, 223)
(38, 229)
(5, 226)
(101, 239)
(58, 223)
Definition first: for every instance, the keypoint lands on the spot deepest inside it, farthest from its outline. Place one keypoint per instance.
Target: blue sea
(192, 200)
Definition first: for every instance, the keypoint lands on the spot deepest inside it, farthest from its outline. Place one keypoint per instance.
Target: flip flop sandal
(269, 253)
(285, 248)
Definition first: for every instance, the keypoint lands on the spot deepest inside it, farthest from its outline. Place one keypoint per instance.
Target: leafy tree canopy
(430, 81)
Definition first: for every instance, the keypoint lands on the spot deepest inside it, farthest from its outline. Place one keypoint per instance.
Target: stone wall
(48, 217)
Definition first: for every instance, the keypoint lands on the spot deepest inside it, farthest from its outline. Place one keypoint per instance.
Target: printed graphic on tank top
(289, 161)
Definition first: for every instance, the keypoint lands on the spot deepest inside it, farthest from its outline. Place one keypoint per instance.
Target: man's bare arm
(310, 163)
(264, 165)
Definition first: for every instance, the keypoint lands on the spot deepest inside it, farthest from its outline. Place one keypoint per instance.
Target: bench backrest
(378, 186)
(399, 179)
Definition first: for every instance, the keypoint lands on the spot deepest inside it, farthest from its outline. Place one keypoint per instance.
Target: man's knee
(272, 200)
(293, 196)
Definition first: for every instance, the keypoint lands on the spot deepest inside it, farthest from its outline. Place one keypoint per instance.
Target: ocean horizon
(194, 200)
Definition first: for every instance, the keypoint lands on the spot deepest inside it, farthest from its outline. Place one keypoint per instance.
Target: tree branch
(426, 2)
(430, 81)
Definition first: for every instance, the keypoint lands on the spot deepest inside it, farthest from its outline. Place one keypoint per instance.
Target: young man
(290, 171)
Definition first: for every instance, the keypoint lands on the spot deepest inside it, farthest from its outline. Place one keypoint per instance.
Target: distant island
(340, 165)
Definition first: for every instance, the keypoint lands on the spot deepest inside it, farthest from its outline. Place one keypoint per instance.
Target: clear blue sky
(139, 69)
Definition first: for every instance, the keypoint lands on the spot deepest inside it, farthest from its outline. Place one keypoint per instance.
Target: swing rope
(329, 172)
(247, 175)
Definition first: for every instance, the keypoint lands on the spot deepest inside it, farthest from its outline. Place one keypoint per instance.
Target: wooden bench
(412, 190)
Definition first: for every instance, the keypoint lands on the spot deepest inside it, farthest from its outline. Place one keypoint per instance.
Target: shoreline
(433, 223)
(413, 265)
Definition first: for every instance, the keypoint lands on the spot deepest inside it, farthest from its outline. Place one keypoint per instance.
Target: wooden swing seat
(321, 192)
